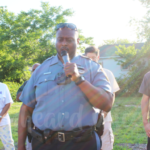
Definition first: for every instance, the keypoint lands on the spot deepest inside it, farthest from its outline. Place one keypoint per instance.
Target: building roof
(109, 50)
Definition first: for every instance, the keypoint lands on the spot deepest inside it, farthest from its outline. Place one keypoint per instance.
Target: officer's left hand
(72, 70)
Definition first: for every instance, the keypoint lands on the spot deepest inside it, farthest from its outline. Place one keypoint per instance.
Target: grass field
(127, 122)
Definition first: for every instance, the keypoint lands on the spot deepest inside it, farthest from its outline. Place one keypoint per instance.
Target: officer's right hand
(147, 129)
(71, 70)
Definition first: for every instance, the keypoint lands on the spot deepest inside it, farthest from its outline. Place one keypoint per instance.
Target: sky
(100, 19)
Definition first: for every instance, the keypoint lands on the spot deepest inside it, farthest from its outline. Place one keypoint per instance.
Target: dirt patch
(134, 146)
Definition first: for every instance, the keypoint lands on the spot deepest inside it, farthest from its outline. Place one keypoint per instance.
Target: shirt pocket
(44, 85)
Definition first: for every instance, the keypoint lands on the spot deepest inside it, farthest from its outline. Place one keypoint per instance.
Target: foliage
(145, 2)
(137, 64)
(138, 61)
(115, 41)
(127, 121)
(84, 42)
(27, 38)
(13, 88)
(127, 54)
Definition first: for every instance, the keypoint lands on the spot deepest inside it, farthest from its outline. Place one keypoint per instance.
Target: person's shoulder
(88, 59)
(48, 59)
(147, 74)
(109, 74)
(42, 67)
(45, 62)
(3, 85)
(25, 82)
(108, 71)
(84, 57)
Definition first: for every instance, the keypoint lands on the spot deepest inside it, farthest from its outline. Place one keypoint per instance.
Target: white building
(108, 56)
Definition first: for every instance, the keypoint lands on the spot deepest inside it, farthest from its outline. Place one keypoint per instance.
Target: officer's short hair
(92, 49)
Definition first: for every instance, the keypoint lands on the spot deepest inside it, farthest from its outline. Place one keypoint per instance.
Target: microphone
(65, 58)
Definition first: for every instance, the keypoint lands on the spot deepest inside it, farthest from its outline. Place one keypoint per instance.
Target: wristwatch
(79, 80)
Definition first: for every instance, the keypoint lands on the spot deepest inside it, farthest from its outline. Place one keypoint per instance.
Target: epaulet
(84, 57)
(49, 58)
(88, 58)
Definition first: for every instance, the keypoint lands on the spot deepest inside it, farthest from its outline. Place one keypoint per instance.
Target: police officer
(61, 98)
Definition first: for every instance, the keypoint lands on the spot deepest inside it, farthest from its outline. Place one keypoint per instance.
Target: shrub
(13, 88)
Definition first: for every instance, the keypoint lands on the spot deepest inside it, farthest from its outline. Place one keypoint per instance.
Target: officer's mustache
(64, 49)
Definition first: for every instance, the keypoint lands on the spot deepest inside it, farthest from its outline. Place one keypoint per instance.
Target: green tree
(27, 38)
(139, 60)
(115, 41)
(133, 59)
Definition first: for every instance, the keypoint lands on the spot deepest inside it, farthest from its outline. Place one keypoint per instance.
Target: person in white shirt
(107, 137)
(5, 125)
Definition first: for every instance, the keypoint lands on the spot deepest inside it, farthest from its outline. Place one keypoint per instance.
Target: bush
(129, 87)
(13, 88)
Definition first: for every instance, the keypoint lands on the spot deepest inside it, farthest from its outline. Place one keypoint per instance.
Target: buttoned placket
(62, 99)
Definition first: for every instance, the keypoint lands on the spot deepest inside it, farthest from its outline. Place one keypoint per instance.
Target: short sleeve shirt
(62, 107)
(145, 85)
(21, 87)
(114, 86)
(5, 98)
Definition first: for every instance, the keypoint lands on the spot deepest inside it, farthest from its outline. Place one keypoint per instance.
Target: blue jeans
(92, 144)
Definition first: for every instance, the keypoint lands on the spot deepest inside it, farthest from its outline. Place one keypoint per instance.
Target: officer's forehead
(66, 32)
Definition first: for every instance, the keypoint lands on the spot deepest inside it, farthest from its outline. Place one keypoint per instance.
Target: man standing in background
(107, 137)
(28, 145)
(145, 90)
(5, 125)
(22, 87)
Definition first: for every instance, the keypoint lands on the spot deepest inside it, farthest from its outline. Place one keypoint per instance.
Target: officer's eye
(60, 39)
(69, 40)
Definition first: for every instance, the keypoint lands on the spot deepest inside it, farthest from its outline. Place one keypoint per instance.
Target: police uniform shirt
(62, 107)
(22, 87)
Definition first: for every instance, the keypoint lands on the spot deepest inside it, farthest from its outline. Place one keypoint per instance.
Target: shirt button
(62, 113)
(45, 79)
(62, 101)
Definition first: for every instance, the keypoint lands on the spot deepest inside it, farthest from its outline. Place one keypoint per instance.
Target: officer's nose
(64, 42)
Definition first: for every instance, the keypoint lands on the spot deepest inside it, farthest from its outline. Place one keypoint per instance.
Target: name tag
(47, 73)
(81, 69)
